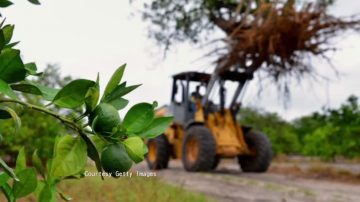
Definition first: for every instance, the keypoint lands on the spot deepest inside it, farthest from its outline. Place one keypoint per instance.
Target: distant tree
(326, 134)
(38, 130)
(278, 37)
(52, 77)
(334, 132)
(280, 132)
(308, 124)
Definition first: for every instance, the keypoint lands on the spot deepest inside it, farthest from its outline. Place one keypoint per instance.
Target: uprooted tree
(277, 37)
(92, 122)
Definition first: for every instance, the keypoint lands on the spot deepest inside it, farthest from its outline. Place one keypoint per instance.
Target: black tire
(216, 162)
(203, 158)
(161, 156)
(261, 159)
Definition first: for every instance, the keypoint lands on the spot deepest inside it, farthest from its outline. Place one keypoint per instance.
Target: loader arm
(241, 77)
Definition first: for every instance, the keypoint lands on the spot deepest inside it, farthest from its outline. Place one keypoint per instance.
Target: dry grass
(126, 189)
(317, 171)
(282, 158)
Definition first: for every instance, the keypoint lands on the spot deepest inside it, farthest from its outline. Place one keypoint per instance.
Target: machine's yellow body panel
(227, 133)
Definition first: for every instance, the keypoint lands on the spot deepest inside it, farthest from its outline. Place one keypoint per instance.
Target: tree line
(327, 134)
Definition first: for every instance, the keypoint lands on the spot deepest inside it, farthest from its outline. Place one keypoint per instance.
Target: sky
(85, 37)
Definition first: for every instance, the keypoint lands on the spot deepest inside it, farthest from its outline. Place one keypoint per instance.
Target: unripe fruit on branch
(114, 158)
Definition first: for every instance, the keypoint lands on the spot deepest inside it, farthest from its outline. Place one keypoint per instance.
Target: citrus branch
(64, 120)
(80, 117)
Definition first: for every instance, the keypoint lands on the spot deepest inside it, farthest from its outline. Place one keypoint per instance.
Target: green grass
(127, 189)
(141, 189)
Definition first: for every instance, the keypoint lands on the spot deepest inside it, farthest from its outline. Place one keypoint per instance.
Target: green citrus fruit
(107, 117)
(114, 158)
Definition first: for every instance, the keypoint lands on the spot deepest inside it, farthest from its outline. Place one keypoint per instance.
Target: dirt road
(229, 184)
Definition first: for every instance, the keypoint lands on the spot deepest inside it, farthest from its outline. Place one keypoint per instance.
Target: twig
(64, 120)
(80, 117)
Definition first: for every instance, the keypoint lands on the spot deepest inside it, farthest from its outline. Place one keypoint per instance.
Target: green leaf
(57, 140)
(5, 89)
(122, 86)
(65, 197)
(48, 167)
(92, 98)
(69, 157)
(5, 3)
(114, 80)
(92, 152)
(14, 116)
(9, 171)
(27, 183)
(11, 66)
(114, 98)
(120, 91)
(36, 89)
(31, 69)
(11, 45)
(34, 2)
(26, 88)
(78, 175)
(2, 39)
(138, 117)
(155, 104)
(3, 178)
(135, 148)
(38, 163)
(8, 192)
(21, 161)
(75, 177)
(39, 188)
(8, 33)
(73, 94)
(146, 150)
(99, 143)
(119, 103)
(47, 194)
(157, 127)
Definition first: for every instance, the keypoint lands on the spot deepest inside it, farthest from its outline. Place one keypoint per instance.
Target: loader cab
(192, 87)
(187, 89)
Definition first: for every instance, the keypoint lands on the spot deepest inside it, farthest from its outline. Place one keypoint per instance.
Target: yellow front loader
(205, 128)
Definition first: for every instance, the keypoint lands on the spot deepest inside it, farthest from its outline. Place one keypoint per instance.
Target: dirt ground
(227, 183)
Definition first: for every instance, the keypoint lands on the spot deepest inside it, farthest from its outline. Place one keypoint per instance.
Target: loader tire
(199, 149)
(216, 162)
(260, 159)
(159, 153)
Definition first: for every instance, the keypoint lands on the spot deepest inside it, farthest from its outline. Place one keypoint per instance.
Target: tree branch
(64, 120)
